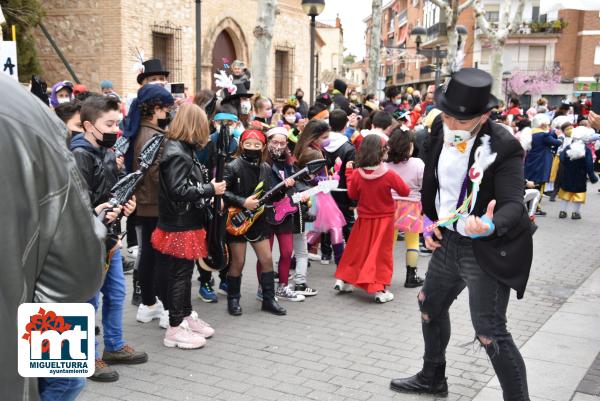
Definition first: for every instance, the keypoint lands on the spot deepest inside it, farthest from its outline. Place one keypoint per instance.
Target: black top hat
(466, 94)
(152, 67)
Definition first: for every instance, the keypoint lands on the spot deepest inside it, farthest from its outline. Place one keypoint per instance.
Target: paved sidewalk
(559, 354)
(345, 347)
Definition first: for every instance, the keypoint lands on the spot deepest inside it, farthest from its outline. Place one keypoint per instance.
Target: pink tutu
(408, 216)
(328, 216)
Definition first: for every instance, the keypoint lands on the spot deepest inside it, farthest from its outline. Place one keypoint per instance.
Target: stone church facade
(99, 39)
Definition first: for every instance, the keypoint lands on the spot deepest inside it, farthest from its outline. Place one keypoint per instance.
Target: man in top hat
(489, 251)
(153, 73)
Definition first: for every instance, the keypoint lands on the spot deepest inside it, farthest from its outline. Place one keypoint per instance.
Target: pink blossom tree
(534, 82)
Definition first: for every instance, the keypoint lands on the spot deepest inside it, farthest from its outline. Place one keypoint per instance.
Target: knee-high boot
(269, 304)
(233, 295)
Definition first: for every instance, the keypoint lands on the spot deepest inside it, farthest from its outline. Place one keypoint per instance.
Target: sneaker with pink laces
(199, 326)
(183, 337)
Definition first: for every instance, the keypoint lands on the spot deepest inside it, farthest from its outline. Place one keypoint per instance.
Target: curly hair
(147, 108)
(399, 145)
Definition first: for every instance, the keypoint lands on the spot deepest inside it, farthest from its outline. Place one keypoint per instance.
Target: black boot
(430, 380)
(412, 280)
(233, 295)
(136, 298)
(269, 304)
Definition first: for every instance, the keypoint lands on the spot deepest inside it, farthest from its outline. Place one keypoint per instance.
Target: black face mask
(163, 123)
(251, 155)
(108, 140)
(299, 97)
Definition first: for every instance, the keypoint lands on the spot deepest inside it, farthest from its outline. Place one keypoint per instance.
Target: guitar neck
(280, 186)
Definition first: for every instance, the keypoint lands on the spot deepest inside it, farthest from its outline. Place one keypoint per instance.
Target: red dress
(368, 260)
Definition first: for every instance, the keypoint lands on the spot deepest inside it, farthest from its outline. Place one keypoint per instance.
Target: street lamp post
(198, 45)
(437, 54)
(313, 8)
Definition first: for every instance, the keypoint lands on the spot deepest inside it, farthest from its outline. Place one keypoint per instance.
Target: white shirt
(452, 170)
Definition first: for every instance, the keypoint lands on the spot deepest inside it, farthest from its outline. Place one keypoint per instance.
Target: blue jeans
(60, 388)
(113, 298)
(452, 268)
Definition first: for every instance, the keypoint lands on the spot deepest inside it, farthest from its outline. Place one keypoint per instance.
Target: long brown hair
(190, 125)
(313, 130)
(371, 151)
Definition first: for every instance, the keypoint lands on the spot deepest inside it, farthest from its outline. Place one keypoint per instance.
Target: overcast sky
(351, 12)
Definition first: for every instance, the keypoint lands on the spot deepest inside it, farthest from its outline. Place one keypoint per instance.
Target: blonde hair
(190, 125)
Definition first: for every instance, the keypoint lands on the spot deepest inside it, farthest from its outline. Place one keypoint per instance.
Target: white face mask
(458, 136)
(62, 100)
(290, 119)
(245, 107)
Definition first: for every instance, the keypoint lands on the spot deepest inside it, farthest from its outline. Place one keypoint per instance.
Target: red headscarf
(253, 133)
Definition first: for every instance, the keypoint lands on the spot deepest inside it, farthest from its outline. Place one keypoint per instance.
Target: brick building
(98, 37)
(567, 40)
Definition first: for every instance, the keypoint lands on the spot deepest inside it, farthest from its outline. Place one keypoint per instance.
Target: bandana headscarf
(253, 134)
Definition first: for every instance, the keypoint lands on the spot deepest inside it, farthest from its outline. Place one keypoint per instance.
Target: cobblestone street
(346, 347)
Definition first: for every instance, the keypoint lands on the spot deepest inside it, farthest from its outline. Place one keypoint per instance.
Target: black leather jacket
(51, 244)
(241, 178)
(183, 198)
(98, 167)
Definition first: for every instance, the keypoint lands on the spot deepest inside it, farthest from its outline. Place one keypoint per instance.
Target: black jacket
(346, 153)
(507, 253)
(342, 102)
(574, 173)
(184, 189)
(241, 178)
(98, 167)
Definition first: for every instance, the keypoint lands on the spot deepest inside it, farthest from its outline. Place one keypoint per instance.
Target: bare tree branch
(465, 5)
(442, 4)
(518, 17)
(482, 21)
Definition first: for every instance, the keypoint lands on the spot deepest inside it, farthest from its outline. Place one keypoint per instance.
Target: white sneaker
(146, 313)
(164, 320)
(284, 292)
(133, 252)
(314, 256)
(183, 337)
(343, 287)
(382, 297)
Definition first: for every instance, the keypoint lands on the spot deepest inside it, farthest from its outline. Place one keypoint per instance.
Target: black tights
(238, 256)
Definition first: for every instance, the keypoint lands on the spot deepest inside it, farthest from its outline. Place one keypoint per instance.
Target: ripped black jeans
(452, 268)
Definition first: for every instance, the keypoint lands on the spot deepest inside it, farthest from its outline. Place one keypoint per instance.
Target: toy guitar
(240, 220)
(289, 205)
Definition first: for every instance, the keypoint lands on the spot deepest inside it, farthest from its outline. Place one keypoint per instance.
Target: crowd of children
(372, 169)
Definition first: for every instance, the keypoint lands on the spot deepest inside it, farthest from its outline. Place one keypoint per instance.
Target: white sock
(564, 206)
(549, 187)
(576, 207)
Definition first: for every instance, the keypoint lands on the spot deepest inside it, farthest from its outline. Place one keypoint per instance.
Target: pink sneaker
(199, 326)
(182, 337)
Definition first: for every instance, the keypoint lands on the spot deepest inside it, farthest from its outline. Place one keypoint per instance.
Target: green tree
(25, 15)
(350, 59)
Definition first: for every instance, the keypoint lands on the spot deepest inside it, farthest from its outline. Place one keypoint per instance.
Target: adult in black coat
(339, 97)
(489, 254)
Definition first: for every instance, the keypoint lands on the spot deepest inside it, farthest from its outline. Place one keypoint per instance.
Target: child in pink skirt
(408, 209)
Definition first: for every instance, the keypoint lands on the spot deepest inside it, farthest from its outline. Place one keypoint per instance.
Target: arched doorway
(223, 52)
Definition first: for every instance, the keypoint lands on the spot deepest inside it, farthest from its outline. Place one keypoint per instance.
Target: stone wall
(98, 37)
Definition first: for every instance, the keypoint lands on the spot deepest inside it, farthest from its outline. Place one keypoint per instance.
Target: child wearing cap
(244, 176)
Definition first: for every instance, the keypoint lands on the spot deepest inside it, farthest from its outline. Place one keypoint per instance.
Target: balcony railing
(438, 29)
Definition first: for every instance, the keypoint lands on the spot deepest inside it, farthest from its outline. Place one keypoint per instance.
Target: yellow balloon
(409, 90)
